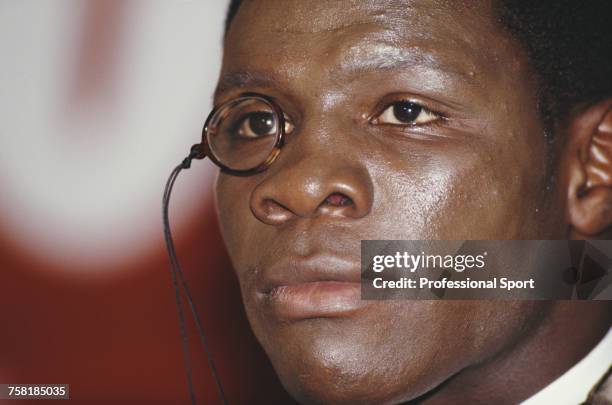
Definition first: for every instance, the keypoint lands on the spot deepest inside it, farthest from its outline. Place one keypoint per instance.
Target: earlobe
(590, 170)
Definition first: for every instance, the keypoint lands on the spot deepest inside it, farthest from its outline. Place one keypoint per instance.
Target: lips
(320, 286)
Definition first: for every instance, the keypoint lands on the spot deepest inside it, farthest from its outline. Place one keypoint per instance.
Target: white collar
(574, 386)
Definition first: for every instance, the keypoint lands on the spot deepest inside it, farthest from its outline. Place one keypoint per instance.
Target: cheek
(462, 191)
(235, 220)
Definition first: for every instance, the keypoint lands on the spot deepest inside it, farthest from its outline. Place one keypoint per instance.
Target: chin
(323, 384)
(334, 362)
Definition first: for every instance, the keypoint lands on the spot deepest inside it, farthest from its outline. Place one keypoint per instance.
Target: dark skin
(471, 165)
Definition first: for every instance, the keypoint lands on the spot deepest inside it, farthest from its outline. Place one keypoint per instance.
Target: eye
(405, 113)
(259, 124)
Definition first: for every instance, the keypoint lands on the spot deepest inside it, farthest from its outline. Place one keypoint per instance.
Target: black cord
(177, 274)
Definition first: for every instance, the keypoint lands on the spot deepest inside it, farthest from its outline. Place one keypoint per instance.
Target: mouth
(315, 287)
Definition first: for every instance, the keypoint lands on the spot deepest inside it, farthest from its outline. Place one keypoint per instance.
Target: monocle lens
(242, 133)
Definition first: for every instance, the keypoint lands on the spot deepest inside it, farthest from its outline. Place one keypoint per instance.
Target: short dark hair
(568, 42)
(231, 12)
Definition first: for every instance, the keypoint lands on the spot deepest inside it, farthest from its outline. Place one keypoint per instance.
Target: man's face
(412, 120)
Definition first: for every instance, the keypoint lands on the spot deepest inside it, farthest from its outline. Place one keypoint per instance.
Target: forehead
(287, 36)
(321, 16)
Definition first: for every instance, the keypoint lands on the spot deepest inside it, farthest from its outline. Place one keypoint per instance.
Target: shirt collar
(574, 385)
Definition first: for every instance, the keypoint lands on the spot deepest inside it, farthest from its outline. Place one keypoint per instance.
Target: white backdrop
(99, 99)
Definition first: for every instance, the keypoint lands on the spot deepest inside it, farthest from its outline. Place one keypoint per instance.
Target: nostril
(271, 212)
(273, 208)
(338, 200)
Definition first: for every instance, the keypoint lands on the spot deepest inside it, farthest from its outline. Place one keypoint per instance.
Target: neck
(571, 330)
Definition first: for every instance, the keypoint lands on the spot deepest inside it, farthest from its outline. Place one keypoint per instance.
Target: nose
(306, 184)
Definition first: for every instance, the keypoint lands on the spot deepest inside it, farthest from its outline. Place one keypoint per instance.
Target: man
(418, 120)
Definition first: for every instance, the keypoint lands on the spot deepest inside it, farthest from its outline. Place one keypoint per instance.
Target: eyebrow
(245, 78)
(385, 57)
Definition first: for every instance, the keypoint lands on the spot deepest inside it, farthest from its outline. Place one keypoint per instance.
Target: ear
(589, 168)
